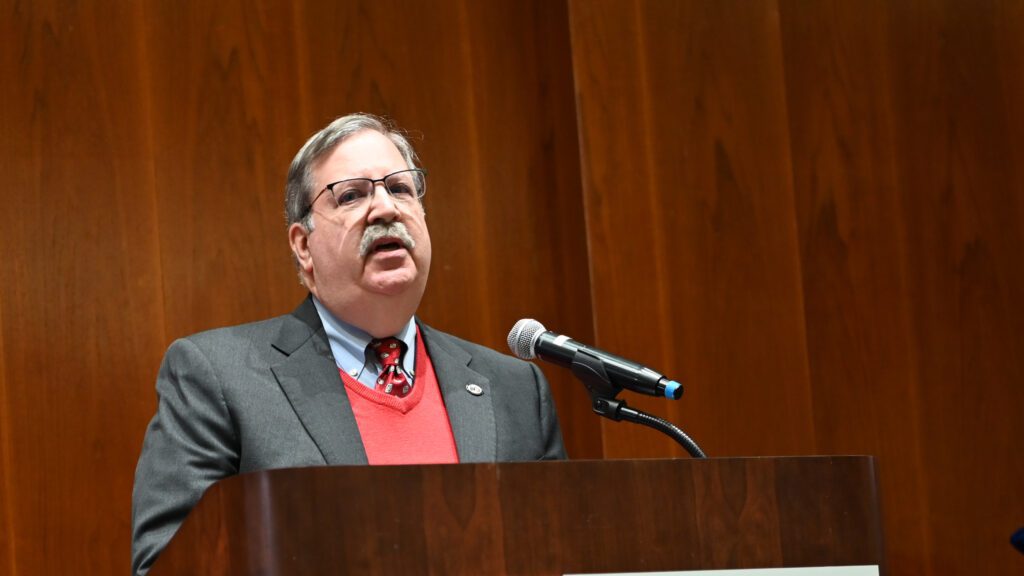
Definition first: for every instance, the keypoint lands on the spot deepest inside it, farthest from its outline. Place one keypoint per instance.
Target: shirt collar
(348, 344)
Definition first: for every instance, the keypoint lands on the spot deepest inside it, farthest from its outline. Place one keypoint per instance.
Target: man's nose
(382, 205)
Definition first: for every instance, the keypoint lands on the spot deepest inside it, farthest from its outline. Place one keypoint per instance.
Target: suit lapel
(310, 379)
(471, 416)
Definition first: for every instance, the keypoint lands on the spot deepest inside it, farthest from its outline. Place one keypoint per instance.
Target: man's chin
(390, 282)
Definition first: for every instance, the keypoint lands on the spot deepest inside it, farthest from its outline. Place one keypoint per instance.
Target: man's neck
(362, 325)
(348, 345)
(378, 317)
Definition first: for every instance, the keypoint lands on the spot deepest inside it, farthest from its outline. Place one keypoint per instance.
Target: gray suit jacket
(268, 395)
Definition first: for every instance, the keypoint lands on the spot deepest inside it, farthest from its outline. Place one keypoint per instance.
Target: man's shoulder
(243, 351)
(247, 332)
(287, 330)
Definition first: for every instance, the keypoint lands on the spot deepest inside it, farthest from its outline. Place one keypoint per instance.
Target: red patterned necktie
(392, 379)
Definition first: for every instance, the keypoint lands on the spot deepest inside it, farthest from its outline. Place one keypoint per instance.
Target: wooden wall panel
(7, 494)
(693, 244)
(144, 152)
(910, 218)
(960, 164)
(895, 244)
(80, 283)
(226, 123)
(856, 276)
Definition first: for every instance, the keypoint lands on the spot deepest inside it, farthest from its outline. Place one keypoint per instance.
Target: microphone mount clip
(590, 370)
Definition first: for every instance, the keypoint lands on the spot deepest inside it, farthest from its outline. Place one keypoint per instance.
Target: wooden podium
(535, 518)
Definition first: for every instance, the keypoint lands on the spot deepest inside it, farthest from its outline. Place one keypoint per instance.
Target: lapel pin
(474, 389)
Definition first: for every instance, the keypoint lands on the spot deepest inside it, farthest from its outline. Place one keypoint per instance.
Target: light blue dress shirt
(348, 345)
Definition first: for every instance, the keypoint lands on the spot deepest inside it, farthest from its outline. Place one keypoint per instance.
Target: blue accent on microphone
(1018, 540)
(670, 389)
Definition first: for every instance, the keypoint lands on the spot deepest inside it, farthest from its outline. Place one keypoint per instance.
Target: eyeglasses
(405, 187)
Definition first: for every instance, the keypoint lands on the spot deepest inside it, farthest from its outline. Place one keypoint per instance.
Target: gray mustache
(375, 232)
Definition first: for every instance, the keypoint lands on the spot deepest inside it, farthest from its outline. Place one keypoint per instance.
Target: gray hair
(299, 189)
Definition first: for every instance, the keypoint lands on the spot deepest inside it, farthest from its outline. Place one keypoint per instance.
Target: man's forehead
(363, 154)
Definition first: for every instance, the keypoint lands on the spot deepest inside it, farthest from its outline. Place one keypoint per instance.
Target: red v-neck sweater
(410, 430)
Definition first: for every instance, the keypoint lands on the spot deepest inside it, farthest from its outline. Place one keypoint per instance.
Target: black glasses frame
(419, 175)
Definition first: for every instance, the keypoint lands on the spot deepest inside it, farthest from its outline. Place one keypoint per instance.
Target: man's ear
(298, 239)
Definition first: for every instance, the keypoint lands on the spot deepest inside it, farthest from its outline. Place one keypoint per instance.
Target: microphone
(1018, 540)
(529, 339)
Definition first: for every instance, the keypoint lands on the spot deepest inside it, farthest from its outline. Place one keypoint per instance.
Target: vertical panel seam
(583, 166)
(584, 185)
(301, 66)
(650, 179)
(5, 455)
(147, 118)
(473, 165)
(795, 223)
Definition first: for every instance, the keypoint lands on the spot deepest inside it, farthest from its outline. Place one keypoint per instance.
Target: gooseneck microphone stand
(590, 370)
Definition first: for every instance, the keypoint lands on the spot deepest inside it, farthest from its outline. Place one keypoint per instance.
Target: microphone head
(523, 338)
(1018, 540)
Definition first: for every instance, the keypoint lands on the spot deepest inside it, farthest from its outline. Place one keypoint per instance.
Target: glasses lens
(352, 192)
(406, 185)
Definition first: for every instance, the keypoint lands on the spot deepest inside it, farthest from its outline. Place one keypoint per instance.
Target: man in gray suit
(349, 377)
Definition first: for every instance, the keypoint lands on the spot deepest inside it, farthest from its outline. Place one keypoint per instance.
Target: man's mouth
(386, 245)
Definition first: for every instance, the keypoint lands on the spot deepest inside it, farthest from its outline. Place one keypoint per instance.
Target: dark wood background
(810, 212)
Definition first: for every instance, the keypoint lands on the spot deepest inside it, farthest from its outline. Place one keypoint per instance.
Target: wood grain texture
(224, 129)
(855, 274)
(8, 517)
(592, 517)
(901, 128)
(961, 185)
(82, 323)
(691, 228)
(909, 208)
